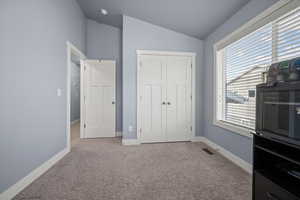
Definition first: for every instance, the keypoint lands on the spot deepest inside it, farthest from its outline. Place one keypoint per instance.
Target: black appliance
(276, 170)
(278, 102)
(276, 145)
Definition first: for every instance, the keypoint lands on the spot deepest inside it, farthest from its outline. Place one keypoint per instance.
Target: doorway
(74, 95)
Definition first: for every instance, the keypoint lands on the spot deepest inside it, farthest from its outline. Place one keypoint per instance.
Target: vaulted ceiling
(196, 18)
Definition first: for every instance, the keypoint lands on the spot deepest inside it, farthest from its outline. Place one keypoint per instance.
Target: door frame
(166, 53)
(72, 49)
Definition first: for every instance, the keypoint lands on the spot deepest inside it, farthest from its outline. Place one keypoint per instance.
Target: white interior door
(165, 98)
(179, 102)
(153, 98)
(100, 104)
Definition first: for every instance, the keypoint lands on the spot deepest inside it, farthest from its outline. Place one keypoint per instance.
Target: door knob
(163, 103)
(169, 103)
(113, 102)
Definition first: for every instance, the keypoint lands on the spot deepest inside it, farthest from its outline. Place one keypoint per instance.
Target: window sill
(235, 129)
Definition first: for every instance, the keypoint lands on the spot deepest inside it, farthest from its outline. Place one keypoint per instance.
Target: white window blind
(243, 64)
(288, 36)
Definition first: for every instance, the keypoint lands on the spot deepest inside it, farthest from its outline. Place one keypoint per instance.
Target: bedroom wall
(33, 54)
(140, 35)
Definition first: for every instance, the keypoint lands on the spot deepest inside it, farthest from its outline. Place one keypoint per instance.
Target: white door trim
(166, 53)
(71, 49)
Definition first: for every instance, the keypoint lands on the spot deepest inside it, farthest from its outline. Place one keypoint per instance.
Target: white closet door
(100, 99)
(152, 86)
(179, 98)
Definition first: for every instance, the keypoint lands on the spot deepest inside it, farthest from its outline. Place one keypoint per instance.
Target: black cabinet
(276, 170)
(267, 190)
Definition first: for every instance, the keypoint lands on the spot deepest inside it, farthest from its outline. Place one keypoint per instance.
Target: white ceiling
(196, 18)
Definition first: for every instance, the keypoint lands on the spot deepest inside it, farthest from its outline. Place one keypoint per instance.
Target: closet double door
(165, 98)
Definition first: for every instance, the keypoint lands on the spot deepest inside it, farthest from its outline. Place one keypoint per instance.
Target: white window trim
(220, 123)
(282, 6)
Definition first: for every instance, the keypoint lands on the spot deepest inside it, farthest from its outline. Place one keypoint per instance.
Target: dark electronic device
(276, 146)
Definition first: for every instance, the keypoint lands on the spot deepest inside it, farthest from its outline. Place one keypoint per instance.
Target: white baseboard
(32, 176)
(227, 154)
(130, 142)
(75, 121)
(198, 139)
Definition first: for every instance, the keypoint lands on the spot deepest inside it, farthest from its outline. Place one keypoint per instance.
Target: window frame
(273, 13)
(219, 86)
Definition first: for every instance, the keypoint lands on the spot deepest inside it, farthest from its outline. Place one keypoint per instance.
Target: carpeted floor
(75, 133)
(103, 169)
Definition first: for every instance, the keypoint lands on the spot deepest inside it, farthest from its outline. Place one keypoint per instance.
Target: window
(242, 64)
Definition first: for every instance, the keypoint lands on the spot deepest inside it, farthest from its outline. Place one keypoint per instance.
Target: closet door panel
(178, 98)
(153, 94)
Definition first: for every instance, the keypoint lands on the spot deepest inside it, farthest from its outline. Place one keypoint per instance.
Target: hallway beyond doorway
(75, 133)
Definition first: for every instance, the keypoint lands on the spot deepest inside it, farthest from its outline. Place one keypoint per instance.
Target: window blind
(245, 61)
(288, 36)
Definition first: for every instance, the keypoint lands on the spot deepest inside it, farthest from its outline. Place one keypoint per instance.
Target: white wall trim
(164, 53)
(32, 176)
(234, 128)
(128, 142)
(227, 154)
(167, 53)
(71, 49)
(198, 139)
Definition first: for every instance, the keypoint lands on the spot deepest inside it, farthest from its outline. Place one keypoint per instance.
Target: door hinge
(84, 125)
(191, 65)
(191, 128)
(84, 67)
(191, 97)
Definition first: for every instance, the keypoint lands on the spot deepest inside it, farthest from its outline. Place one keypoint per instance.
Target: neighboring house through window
(241, 65)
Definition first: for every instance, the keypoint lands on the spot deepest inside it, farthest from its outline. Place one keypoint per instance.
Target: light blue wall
(105, 42)
(237, 144)
(75, 92)
(140, 35)
(33, 56)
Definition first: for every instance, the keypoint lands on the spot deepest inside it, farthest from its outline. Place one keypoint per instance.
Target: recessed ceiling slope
(196, 18)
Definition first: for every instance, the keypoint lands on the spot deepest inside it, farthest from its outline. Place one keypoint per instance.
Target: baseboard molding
(130, 142)
(32, 176)
(198, 139)
(75, 121)
(227, 154)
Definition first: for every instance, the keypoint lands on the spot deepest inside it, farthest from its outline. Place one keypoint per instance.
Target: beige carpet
(75, 133)
(103, 169)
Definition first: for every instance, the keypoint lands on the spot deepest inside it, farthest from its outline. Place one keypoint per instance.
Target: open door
(99, 98)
